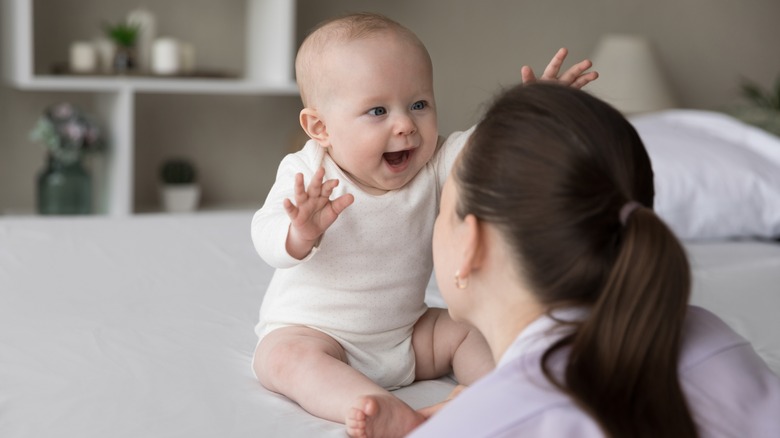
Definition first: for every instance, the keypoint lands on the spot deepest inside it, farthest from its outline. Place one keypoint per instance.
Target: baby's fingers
(328, 186)
(575, 72)
(585, 79)
(527, 75)
(291, 209)
(551, 72)
(342, 202)
(299, 190)
(315, 186)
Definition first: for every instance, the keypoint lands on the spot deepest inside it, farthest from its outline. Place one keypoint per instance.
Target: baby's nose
(405, 126)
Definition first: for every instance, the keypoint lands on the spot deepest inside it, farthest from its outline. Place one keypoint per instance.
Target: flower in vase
(67, 133)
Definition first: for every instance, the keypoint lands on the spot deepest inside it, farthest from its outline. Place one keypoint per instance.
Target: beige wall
(705, 45)
(477, 47)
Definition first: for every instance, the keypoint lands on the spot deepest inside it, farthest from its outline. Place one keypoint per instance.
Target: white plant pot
(180, 198)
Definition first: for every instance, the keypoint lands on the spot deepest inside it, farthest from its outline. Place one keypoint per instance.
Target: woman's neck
(504, 304)
(505, 330)
(504, 313)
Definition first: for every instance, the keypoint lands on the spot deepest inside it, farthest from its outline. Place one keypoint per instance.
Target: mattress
(143, 326)
(140, 327)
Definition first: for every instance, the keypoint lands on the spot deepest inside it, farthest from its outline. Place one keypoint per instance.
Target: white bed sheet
(143, 327)
(140, 327)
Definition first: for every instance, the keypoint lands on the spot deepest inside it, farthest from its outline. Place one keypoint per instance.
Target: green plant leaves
(759, 97)
(123, 34)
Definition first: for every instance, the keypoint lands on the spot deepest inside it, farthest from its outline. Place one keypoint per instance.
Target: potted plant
(69, 135)
(179, 191)
(124, 36)
(763, 106)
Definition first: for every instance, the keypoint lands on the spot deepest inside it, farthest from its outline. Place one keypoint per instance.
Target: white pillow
(715, 176)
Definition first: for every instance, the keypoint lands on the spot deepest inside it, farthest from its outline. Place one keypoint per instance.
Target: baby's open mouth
(397, 159)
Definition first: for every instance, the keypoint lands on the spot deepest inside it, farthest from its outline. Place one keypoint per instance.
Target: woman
(547, 243)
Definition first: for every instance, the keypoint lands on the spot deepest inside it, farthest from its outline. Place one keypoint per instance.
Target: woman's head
(550, 168)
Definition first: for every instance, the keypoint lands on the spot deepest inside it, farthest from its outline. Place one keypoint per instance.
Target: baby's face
(379, 111)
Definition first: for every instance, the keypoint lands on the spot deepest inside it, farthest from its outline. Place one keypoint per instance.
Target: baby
(348, 226)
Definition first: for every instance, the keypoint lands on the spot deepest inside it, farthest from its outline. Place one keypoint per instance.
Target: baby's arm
(312, 213)
(577, 76)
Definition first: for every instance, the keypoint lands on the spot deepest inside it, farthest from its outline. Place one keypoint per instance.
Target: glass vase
(64, 188)
(124, 60)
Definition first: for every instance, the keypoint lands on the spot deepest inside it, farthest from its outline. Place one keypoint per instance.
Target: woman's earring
(461, 283)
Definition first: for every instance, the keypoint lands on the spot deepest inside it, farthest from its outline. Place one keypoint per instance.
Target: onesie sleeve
(448, 152)
(270, 223)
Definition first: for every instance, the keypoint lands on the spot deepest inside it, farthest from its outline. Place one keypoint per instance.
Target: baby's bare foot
(381, 416)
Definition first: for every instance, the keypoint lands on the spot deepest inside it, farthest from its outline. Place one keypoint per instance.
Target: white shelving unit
(269, 71)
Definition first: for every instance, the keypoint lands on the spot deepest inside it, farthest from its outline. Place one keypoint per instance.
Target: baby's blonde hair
(342, 29)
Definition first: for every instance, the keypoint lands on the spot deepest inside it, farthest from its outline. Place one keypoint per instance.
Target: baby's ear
(314, 126)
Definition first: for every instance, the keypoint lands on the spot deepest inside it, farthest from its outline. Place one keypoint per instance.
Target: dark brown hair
(551, 167)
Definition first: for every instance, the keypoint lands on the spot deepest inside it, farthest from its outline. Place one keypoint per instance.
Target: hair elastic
(627, 209)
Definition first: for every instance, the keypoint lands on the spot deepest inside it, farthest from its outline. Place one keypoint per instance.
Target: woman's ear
(472, 245)
(315, 128)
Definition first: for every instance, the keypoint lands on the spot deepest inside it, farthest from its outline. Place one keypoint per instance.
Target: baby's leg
(310, 368)
(442, 345)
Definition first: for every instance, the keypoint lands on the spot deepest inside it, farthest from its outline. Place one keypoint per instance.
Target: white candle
(83, 58)
(166, 59)
(187, 58)
(147, 32)
(105, 50)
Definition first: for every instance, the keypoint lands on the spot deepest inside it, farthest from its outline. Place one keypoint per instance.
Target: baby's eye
(378, 111)
(420, 104)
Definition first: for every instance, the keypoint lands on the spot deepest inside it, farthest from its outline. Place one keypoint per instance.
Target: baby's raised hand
(577, 76)
(313, 212)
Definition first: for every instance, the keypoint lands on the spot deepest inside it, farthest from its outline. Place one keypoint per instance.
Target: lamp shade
(630, 77)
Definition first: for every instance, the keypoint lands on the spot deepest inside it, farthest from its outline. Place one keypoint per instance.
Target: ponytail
(623, 359)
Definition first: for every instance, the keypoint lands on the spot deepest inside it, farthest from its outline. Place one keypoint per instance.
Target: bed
(143, 326)
(140, 327)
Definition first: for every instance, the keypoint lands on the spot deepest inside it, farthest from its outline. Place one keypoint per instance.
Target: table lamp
(630, 77)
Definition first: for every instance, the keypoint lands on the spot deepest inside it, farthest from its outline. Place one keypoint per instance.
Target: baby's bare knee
(285, 356)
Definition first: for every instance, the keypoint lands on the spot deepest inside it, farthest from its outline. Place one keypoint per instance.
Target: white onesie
(364, 285)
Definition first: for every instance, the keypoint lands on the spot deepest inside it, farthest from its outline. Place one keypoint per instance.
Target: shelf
(269, 55)
(270, 39)
(207, 208)
(155, 85)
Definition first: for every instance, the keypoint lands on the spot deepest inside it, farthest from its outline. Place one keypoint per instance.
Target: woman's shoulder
(730, 389)
(704, 336)
(711, 348)
(514, 400)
